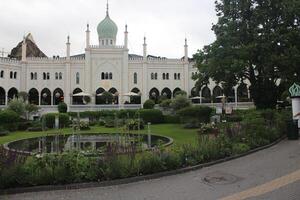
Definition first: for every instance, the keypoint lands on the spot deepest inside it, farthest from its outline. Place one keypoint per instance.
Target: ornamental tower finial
(107, 8)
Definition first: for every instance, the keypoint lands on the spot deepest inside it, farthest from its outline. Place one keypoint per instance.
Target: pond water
(102, 143)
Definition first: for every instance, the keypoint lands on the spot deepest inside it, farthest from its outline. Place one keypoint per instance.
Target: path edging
(132, 179)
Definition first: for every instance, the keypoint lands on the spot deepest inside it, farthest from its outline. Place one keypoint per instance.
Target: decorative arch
(217, 91)
(2, 96)
(175, 91)
(12, 93)
(100, 99)
(167, 93)
(45, 97)
(58, 96)
(77, 100)
(114, 92)
(206, 94)
(33, 96)
(135, 99)
(194, 92)
(242, 93)
(154, 94)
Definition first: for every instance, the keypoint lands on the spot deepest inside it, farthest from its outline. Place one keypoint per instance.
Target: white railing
(106, 47)
(238, 105)
(9, 60)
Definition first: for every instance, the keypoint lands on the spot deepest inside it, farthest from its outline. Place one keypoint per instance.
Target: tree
(30, 109)
(180, 102)
(22, 108)
(257, 40)
(17, 105)
(62, 107)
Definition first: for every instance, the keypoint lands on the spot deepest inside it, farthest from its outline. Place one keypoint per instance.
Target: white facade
(104, 66)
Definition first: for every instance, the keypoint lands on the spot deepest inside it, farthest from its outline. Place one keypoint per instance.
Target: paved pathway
(272, 174)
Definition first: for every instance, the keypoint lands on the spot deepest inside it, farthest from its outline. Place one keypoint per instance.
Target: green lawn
(175, 131)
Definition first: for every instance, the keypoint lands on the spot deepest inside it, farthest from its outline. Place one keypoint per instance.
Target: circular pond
(102, 143)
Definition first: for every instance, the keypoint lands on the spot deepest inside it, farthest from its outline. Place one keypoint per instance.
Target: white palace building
(103, 67)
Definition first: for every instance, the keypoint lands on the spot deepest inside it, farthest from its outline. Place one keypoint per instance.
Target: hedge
(151, 115)
(49, 120)
(201, 113)
(171, 119)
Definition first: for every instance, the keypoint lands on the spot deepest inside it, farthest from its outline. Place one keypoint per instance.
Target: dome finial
(107, 8)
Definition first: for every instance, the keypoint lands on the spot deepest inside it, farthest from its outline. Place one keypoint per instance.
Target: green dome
(107, 28)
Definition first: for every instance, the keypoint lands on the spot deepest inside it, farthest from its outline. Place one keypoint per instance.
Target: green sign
(295, 90)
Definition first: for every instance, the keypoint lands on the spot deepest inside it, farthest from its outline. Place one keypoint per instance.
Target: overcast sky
(164, 22)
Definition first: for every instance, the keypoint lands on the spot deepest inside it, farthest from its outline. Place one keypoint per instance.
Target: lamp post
(149, 135)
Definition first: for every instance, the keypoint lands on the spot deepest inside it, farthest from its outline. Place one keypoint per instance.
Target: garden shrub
(200, 113)
(151, 115)
(134, 124)
(171, 119)
(64, 120)
(180, 102)
(124, 114)
(8, 116)
(62, 107)
(166, 104)
(239, 148)
(149, 104)
(49, 120)
(9, 120)
(150, 163)
(171, 160)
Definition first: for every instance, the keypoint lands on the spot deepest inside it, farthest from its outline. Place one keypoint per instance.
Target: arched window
(44, 76)
(15, 75)
(178, 76)
(155, 76)
(11, 74)
(110, 76)
(31, 76)
(2, 96)
(111, 42)
(35, 76)
(164, 76)
(106, 76)
(60, 76)
(135, 78)
(167, 76)
(102, 76)
(175, 76)
(77, 78)
(152, 76)
(48, 76)
(56, 76)
(2, 74)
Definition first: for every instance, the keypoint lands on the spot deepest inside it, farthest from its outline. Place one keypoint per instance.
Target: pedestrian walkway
(272, 174)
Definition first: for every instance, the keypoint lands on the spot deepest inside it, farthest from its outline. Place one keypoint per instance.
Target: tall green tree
(256, 40)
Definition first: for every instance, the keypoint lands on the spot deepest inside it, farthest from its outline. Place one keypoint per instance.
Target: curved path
(272, 174)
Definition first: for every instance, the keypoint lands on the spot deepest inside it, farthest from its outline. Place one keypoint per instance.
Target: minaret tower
(126, 37)
(87, 36)
(68, 48)
(24, 49)
(145, 49)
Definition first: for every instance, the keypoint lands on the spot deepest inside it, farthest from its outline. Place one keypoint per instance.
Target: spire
(107, 8)
(68, 39)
